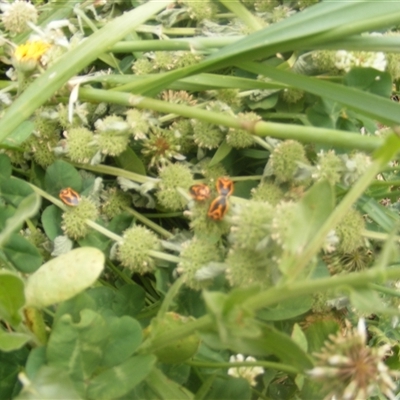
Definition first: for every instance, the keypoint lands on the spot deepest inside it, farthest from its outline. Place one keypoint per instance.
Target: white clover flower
(346, 60)
(248, 373)
(374, 60)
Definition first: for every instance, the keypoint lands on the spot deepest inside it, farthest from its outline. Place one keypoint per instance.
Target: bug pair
(219, 206)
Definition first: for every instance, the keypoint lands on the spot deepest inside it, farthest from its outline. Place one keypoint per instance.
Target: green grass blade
(368, 104)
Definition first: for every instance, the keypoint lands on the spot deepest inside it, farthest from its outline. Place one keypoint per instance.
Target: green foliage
(11, 297)
(158, 280)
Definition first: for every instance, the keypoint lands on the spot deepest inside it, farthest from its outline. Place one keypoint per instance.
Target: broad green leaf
(166, 388)
(36, 359)
(27, 208)
(179, 373)
(61, 175)
(324, 114)
(129, 300)
(96, 240)
(22, 254)
(282, 346)
(11, 364)
(5, 166)
(227, 309)
(120, 222)
(243, 188)
(52, 220)
(10, 341)
(299, 337)
(50, 383)
(229, 388)
(76, 304)
(14, 190)
(190, 302)
(6, 212)
(117, 381)
(269, 341)
(11, 297)
(205, 387)
(267, 103)
(370, 80)
(64, 277)
(368, 301)
(318, 332)
(312, 211)
(78, 347)
(286, 310)
(125, 338)
(223, 150)
(129, 161)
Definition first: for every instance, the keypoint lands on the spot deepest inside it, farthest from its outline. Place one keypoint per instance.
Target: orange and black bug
(218, 208)
(69, 197)
(200, 192)
(224, 186)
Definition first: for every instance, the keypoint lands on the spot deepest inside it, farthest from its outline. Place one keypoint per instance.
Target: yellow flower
(26, 55)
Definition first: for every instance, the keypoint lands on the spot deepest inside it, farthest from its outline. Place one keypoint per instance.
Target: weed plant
(199, 199)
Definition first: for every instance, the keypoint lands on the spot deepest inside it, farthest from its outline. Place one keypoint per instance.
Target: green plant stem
(277, 295)
(299, 263)
(150, 311)
(156, 254)
(246, 178)
(105, 169)
(118, 272)
(189, 44)
(282, 115)
(164, 256)
(262, 143)
(162, 31)
(164, 215)
(304, 134)
(266, 364)
(168, 299)
(385, 183)
(101, 229)
(164, 339)
(378, 235)
(103, 282)
(205, 386)
(152, 225)
(104, 231)
(296, 289)
(244, 14)
(49, 197)
(384, 289)
(259, 394)
(80, 14)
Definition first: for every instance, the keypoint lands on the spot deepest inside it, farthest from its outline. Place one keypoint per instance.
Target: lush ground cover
(198, 199)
